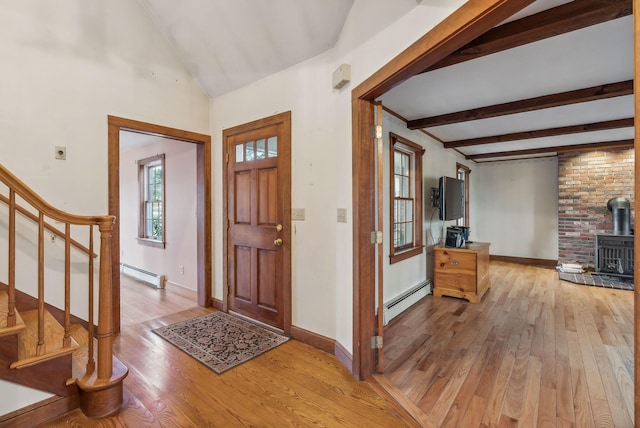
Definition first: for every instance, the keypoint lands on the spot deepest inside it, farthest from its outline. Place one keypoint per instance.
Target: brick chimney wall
(587, 180)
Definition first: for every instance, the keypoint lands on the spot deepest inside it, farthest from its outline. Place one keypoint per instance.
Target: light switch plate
(342, 215)
(297, 214)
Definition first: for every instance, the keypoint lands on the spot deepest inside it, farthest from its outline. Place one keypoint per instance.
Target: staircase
(48, 336)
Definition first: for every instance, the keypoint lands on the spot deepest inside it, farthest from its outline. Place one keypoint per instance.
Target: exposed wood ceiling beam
(552, 22)
(546, 101)
(540, 133)
(557, 149)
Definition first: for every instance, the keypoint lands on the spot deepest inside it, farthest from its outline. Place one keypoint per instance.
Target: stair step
(80, 355)
(4, 313)
(16, 396)
(53, 340)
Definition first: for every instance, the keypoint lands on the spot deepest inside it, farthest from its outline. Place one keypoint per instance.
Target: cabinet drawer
(462, 283)
(455, 262)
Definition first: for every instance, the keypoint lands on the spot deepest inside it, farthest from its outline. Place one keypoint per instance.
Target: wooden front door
(258, 183)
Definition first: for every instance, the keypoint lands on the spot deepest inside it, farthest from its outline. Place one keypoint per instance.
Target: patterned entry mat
(220, 341)
(597, 280)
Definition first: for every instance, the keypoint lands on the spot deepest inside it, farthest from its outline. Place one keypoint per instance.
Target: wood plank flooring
(141, 302)
(536, 352)
(292, 385)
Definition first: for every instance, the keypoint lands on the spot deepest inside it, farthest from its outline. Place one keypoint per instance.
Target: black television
(451, 198)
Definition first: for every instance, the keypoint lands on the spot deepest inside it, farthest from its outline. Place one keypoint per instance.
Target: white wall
(69, 64)
(436, 162)
(322, 249)
(515, 207)
(180, 215)
(66, 66)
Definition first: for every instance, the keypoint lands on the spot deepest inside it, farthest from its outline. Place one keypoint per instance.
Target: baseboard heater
(153, 279)
(401, 303)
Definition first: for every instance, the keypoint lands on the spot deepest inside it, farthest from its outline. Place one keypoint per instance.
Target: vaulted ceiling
(227, 44)
(555, 77)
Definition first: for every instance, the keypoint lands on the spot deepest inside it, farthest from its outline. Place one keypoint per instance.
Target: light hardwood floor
(536, 352)
(141, 302)
(292, 385)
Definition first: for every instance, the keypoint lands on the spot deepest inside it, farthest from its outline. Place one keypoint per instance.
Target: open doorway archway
(465, 24)
(470, 21)
(203, 208)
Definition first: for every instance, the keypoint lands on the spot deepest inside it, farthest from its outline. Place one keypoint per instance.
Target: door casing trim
(203, 204)
(471, 20)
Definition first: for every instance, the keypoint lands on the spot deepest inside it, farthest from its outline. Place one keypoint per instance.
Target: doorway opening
(158, 233)
(203, 201)
(467, 23)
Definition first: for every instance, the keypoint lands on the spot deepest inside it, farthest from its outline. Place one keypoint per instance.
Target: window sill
(151, 242)
(405, 254)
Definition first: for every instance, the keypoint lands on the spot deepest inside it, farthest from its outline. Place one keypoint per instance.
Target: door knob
(277, 242)
(279, 228)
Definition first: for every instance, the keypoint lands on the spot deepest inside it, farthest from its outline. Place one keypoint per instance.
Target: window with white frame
(463, 173)
(151, 177)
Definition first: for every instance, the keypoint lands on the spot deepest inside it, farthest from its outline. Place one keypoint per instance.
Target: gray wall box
(342, 76)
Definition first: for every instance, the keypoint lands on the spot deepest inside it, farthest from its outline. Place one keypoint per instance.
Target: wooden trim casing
(313, 339)
(364, 323)
(342, 354)
(471, 20)
(542, 25)
(557, 149)
(416, 182)
(600, 92)
(541, 133)
(636, 221)
(525, 261)
(467, 190)
(203, 203)
(284, 149)
(204, 218)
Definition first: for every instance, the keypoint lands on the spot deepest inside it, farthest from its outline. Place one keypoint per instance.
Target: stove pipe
(621, 214)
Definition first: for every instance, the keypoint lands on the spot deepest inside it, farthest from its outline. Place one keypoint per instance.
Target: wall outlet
(181, 270)
(342, 215)
(297, 214)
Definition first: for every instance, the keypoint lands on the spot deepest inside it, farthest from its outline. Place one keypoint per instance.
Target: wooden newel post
(105, 308)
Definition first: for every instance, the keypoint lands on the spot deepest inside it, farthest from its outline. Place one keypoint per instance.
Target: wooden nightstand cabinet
(462, 272)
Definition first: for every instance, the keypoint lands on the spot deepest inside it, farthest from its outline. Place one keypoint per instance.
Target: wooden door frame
(203, 200)
(470, 21)
(283, 149)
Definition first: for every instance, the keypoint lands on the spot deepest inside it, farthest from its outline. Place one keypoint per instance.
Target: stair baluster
(91, 363)
(11, 292)
(41, 345)
(66, 341)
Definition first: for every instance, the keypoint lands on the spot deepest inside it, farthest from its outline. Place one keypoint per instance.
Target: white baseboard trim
(401, 303)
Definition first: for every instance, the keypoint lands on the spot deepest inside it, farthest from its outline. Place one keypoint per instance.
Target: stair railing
(105, 225)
